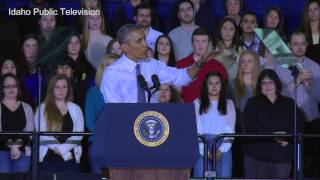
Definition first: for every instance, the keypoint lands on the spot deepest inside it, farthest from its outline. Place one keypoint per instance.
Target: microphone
(142, 82)
(155, 81)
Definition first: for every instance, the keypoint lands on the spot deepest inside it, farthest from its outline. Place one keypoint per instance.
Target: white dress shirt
(119, 81)
(152, 37)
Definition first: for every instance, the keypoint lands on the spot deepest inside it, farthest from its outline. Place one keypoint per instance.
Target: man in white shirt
(142, 17)
(119, 81)
(181, 35)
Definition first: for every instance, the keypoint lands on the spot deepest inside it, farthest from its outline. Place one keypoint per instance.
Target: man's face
(298, 45)
(248, 23)
(47, 23)
(136, 48)
(200, 44)
(143, 18)
(186, 13)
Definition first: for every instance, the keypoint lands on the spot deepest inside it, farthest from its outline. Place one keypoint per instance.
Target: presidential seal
(151, 128)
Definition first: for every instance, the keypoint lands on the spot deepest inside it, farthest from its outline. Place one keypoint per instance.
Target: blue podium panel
(116, 145)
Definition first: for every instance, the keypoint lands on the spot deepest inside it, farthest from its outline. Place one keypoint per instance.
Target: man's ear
(124, 47)
(135, 18)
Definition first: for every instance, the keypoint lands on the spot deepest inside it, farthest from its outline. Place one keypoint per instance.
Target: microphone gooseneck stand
(298, 175)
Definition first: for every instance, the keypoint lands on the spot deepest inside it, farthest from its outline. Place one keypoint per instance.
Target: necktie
(141, 95)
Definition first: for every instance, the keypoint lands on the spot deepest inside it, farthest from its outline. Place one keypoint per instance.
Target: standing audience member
(94, 103)
(203, 17)
(142, 17)
(227, 47)
(181, 35)
(94, 38)
(200, 43)
(248, 39)
(274, 20)
(269, 112)
(310, 25)
(168, 94)
(243, 86)
(232, 9)
(57, 113)
(30, 76)
(15, 115)
(164, 50)
(215, 114)
(83, 71)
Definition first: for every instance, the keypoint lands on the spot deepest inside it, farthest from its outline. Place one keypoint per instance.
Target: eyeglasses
(10, 86)
(267, 83)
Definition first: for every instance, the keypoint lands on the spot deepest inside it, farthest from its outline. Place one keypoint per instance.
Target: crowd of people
(57, 78)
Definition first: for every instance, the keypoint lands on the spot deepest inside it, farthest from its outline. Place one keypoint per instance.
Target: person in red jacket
(200, 44)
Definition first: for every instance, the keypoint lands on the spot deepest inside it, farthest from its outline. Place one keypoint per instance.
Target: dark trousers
(259, 169)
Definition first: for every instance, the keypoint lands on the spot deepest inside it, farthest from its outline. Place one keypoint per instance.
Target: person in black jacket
(269, 113)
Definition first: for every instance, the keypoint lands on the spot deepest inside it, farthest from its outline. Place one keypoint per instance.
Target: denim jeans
(8, 165)
(223, 165)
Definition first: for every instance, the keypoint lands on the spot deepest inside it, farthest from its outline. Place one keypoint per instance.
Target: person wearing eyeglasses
(15, 115)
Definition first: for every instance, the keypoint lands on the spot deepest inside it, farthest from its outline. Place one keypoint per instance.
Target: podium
(146, 141)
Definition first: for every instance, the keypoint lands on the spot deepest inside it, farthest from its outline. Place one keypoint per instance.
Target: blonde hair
(106, 61)
(85, 30)
(52, 114)
(239, 83)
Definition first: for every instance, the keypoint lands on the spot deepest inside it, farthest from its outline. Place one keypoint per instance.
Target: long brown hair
(52, 114)
(239, 83)
(305, 22)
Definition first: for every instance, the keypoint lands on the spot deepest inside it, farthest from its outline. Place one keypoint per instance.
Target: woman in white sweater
(58, 114)
(215, 115)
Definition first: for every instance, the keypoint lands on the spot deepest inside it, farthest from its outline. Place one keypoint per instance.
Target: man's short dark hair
(124, 32)
(250, 13)
(142, 6)
(200, 32)
(181, 2)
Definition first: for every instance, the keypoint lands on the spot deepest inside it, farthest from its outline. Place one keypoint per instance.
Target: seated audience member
(181, 35)
(200, 43)
(15, 115)
(168, 94)
(274, 20)
(142, 17)
(269, 112)
(164, 50)
(227, 47)
(8, 66)
(114, 48)
(310, 25)
(248, 39)
(243, 86)
(94, 38)
(232, 9)
(58, 113)
(94, 103)
(215, 114)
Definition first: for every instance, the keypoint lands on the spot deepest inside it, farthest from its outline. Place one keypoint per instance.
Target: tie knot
(138, 69)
